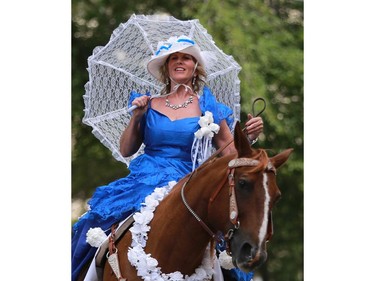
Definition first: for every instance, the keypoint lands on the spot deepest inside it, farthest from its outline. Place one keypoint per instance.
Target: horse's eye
(245, 185)
(242, 183)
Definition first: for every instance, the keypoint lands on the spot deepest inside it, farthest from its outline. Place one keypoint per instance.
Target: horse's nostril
(247, 252)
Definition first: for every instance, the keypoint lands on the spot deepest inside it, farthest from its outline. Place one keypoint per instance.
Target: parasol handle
(130, 109)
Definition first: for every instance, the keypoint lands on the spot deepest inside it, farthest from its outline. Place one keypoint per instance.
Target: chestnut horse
(233, 194)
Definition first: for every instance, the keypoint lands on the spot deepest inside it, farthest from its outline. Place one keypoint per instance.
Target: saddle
(120, 230)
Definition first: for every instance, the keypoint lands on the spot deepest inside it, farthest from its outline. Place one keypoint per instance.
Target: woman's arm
(132, 137)
(223, 137)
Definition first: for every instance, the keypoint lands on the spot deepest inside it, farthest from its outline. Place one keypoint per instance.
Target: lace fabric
(119, 68)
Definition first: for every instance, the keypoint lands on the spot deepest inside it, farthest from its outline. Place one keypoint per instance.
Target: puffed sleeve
(219, 110)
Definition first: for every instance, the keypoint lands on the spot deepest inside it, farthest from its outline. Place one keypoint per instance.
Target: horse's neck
(180, 236)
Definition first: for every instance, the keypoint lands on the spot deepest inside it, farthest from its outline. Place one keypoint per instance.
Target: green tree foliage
(266, 39)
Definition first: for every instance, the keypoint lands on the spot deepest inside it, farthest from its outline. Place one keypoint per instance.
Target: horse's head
(253, 193)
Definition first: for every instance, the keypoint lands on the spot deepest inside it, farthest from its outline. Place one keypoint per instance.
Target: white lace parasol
(120, 67)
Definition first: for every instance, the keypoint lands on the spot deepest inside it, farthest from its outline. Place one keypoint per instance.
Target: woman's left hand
(253, 126)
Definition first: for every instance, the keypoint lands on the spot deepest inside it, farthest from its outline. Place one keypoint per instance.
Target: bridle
(233, 207)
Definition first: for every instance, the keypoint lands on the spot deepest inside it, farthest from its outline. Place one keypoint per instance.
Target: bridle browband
(232, 165)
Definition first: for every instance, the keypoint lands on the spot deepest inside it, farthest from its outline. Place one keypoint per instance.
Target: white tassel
(225, 260)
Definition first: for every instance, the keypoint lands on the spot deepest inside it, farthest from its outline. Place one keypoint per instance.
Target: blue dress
(167, 157)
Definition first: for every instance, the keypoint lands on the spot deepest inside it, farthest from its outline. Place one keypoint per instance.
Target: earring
(194, 80)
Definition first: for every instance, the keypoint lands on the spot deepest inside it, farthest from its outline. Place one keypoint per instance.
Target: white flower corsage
(202, 145)
(95, 237)
(208, 127)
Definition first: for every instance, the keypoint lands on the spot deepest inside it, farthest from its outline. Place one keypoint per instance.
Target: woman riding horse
(175, 136)
(173, 240)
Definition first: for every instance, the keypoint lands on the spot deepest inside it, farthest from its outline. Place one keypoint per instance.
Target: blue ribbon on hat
(163, 48)
(167, 46)
(186, 40)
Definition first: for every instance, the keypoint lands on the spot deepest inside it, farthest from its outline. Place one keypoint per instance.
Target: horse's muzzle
(249, 258)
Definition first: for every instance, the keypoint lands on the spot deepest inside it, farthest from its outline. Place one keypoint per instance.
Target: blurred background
(266, 39)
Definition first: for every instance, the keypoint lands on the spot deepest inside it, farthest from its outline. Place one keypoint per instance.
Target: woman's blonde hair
(200, 78)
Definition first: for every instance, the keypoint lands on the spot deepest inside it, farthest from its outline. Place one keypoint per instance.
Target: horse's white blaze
(263, 228)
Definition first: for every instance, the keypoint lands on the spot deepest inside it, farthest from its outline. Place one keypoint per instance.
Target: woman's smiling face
(181, 67)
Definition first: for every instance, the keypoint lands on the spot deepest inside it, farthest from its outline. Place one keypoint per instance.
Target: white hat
(181, 44)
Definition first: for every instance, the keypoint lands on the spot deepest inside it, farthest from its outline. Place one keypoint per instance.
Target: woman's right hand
(141, 104)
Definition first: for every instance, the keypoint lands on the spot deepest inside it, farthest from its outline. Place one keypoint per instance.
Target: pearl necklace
(178, 106)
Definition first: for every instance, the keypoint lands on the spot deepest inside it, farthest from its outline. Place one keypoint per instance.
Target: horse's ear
(281, 158)
(241, 142)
